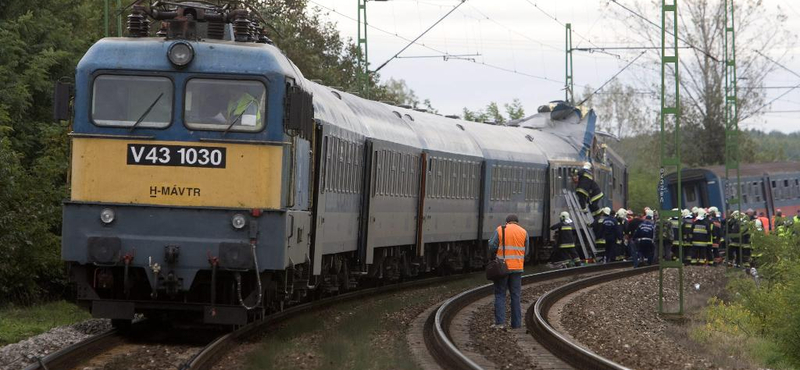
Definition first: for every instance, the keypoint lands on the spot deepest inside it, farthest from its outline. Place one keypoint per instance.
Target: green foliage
(17, 323)
(39, 43)
(766, 308)
(492, 112)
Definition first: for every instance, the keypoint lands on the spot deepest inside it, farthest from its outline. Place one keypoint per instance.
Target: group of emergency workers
(699, 234)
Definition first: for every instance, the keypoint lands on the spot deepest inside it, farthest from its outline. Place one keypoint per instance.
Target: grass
(366, 334)
(18, 323)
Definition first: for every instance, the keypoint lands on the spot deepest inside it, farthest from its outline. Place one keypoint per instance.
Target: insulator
(145, 29)
(216, 30)
(241, 29)
(253, 35)
(136, 24)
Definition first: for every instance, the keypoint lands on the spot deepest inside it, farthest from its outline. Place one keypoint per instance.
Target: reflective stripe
(584, 192)
(588, 176)
(567, 245)
(645, 239)
(700, 244)
(512, 248)
(600, 241)
(567, 228)
(511, 257)
(596, 197)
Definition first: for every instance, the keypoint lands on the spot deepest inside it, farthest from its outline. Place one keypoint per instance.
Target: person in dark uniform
(608, 234)
(687, 225)
(588, 191)
(633, 224)
(565, 241)
(734, 226)
(644, 235)
(622, 227)
(701, 238)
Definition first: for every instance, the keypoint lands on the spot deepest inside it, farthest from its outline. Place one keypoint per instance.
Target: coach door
(420, 219)
(366, 194)
(318, 207)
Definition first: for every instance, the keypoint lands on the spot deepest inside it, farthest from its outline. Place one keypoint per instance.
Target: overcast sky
(521, 51)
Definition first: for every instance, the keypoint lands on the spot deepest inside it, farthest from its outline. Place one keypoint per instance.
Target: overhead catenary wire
(515, 31)
(706, 53)
(437, 50)
(420, 35)
(611, 79)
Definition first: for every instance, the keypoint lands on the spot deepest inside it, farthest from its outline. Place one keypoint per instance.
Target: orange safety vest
(764, 224)
(514, 248)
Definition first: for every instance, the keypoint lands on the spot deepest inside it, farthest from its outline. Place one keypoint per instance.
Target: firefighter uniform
(622, 225)
(644, 236)
(588, 191)
(565, 240)
(701, 239)
(675, 222)
(734, 226)
(687, 225)
(608, 235)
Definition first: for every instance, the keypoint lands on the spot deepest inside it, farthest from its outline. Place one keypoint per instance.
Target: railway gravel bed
(618, 320)
(501, 346)
(25, 352)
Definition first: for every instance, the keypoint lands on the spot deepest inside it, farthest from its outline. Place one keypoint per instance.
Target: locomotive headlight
(107, 216)
(238, 221)
(180, 54)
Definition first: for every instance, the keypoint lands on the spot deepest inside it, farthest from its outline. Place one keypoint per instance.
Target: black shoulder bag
(496, 268)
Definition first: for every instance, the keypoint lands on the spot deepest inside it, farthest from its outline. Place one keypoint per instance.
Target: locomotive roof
(746, 170)
(127, 53)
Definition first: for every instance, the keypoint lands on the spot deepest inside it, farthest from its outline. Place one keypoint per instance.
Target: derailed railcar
(212, 182)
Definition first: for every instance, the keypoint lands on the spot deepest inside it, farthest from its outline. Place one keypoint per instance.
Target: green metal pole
(363, 61)
(569, 85)
(105, 18)
(119, 18)
(731, 124)
(669, 57)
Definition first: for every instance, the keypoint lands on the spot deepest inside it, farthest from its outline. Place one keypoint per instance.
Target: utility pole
(119, 17)
(363, 61)
(732, 196)
(569, 85)
(670, 157)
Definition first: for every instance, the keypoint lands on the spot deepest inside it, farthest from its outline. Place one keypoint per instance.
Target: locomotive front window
(123, 100)
(225, 105)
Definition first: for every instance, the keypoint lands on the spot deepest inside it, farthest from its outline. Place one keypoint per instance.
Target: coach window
(121, 101)
(225, 105)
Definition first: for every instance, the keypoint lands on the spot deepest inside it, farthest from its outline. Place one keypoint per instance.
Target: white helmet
(735, 214)
(701, 213)
(675, 210)
(759, 224)
(587, 166)
(648, 213)
(686, 213)
(714, 210)
(694, 210)
(564, 215)
(621, 213)
(606, 211)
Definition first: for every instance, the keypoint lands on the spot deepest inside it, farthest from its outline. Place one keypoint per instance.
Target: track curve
(558, 344)
(437, 335)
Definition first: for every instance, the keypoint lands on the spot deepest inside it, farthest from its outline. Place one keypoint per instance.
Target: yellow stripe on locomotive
(176, 173)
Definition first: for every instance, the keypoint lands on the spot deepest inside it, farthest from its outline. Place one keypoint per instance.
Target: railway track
(208, 354)
(440, 343)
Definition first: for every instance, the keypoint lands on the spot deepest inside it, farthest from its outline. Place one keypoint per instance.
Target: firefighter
(675, 222)
(608, 234)
(588, 191)
(748, 226)
(734, 226)
(778, 219)
(701, 238)
(717, 236)
(622, 225)
(565, 240)
(644, 236)
(686, 229)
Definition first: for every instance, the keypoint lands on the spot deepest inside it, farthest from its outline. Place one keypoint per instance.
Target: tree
(701, 25)
(621, 109)
(397, 92)
(515, 109)
(493, 111)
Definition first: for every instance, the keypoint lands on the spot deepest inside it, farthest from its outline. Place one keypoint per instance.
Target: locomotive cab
(189, 171)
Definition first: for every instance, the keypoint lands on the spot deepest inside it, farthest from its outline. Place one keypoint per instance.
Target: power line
(611, 79)
(668, 32)
(514, 31)
(437, 50)
(559, 22)
(777, 64)
(770, 102)
(420, 35)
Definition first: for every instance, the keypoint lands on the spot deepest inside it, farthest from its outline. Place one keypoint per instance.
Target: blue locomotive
(211, 181)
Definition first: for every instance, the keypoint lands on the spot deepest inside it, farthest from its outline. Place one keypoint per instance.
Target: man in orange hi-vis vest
(510, 243)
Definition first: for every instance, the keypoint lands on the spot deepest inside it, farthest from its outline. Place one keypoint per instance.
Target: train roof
(130, 53)
(745, 170)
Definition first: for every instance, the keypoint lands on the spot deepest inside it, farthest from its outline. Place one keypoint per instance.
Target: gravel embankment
(499, 345)
(618, 320)
(21, 354)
